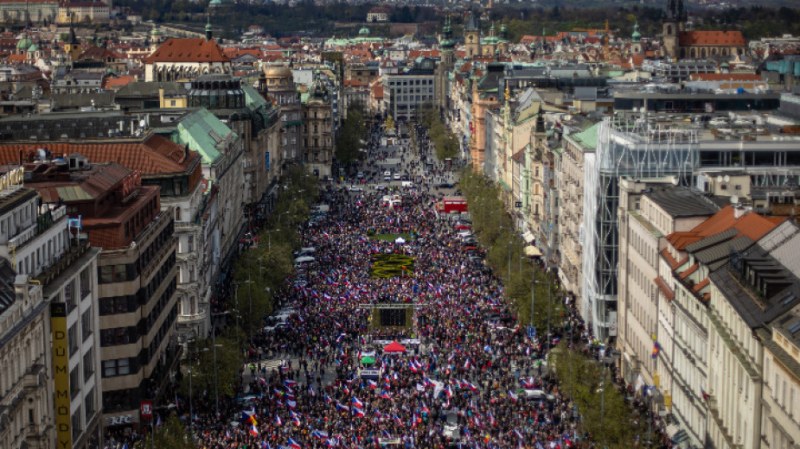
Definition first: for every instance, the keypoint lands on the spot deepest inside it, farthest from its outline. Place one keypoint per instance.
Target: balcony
(64, 262)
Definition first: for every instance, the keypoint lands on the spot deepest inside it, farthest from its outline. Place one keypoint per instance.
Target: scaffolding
(636, 147)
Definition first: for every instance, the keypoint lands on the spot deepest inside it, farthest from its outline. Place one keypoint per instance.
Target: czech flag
(356, 403)
(319, 434)
(341, 407)
(249, 418)
(528, 383)
(293, 444)
(278, 421)
(253, 430)
(513, 396)
(288, 383)
(656, 349)
(358, 413)
(385, 395)
(372, 384)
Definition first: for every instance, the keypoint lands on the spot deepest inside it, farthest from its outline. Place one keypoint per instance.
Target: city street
(467, 373)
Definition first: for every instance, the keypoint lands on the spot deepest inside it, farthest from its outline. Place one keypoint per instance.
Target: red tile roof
(665, 290)
(711, 38)
(117, 82)
(724, 77)
(195, 49)
(151, 156)
(750, 224)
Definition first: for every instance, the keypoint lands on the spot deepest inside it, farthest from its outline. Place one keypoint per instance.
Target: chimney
(739, 211)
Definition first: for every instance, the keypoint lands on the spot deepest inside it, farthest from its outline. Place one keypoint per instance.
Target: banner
(58, 326)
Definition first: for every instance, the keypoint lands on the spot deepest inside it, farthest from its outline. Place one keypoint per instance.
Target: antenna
(735, 200)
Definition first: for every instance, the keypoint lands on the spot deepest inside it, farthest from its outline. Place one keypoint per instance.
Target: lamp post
(533, 294)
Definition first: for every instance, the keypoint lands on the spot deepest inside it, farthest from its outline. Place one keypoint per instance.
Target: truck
(452, 204)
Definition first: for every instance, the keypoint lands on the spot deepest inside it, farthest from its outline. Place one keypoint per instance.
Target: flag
(319, 434)
(372, 384)
(288, 383)
(384, 395)
(249, 417)
(291, 404)
(293, 444)
(397, 420)
(295, 419)
(357, 412)
(528, 383)
(341, 407)
(278, 421)
(253, 430)
(656, 349)
(467, 364)
(356, 403)
(513, 396)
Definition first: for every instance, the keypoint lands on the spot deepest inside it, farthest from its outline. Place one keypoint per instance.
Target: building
(495, 44)
(406, 92)
(472, 37)
(318, 137)
(754, 291)
(222, 151)
(25, 11)
(83, 11)
(136, 277)
(378, 14)
(570, 191)
(678, 43)
(26, 404)
(184, 59)
(281, 89)
(651, 210)
(486, 94)
(682, 149)
(45, 251)
(444, 68)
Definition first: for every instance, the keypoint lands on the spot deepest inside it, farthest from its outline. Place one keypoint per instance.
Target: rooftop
(681, 202)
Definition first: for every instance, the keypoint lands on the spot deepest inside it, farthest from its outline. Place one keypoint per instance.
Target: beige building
(26, 408)
(756, 291)
(136, 284)
(37, 241)
(318, 131)
(570, 192)
(23, 11)
(780, 415)
(184, 59)
(83, 11)
(281, 89)
(652, 308)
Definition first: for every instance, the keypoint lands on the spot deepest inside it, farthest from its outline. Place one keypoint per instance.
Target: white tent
(400, 240)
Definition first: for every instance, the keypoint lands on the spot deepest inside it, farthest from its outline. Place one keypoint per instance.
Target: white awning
(528, 237)
(532, 251)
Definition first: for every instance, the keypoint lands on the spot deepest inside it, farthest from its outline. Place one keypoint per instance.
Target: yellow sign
(668, 401)
(58, 325)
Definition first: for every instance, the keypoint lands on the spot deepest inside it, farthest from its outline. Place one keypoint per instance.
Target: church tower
(472, 37)
(636, 40)
(445, 66)
(672, 27)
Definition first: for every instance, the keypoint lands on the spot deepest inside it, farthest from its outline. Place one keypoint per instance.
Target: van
(407, 184)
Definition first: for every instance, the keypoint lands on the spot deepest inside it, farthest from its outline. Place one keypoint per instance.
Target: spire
(540, 119)
(209, 30)
(636, 36)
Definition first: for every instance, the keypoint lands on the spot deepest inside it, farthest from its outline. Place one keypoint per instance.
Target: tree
(351, 134)
(173, 435)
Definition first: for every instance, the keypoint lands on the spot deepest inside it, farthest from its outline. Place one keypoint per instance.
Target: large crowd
(470, 375)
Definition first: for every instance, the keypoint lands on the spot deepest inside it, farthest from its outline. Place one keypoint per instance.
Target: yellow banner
(58, 326)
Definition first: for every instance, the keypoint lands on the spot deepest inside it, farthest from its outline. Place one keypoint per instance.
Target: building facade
(136, 279)
(281, 89)
(408, 91)
(318, 135)
(45, 250)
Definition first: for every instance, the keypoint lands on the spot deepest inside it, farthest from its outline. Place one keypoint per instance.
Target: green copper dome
(636, 36)
(363, 31)
(24, 42)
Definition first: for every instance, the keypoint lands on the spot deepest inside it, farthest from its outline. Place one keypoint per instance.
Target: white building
(37, 241)
(26, 408)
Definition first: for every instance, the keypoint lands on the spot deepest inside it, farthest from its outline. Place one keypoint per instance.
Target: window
(86, 323)
(86, 283)
(74, 382)
(118, 367)
(88, 365)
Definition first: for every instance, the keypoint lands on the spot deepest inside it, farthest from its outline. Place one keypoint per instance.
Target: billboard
(58, 326)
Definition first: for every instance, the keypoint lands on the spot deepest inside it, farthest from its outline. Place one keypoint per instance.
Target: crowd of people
(470, 376)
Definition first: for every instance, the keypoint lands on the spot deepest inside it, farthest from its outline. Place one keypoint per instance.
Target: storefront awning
(532, 251)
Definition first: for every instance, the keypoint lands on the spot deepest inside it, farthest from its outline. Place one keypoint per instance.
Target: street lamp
(533, 295)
